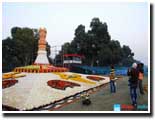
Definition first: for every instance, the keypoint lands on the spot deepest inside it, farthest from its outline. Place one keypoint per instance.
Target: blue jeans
(133, 93)
(112, 86)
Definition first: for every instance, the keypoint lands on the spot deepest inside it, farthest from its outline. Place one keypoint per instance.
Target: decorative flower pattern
(40, 69)
(8, 83)
(74, 77)
(33, 91)
(62, 85)
(95, 78)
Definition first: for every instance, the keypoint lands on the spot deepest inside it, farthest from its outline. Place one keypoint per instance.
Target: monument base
(42, 58)
(40, 68)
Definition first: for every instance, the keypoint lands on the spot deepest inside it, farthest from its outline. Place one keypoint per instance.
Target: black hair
(112, 66)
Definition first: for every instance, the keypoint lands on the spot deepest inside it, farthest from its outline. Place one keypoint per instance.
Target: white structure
(41, 58)
(42, 54)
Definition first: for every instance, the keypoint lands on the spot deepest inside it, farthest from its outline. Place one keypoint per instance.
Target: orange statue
(42, 54)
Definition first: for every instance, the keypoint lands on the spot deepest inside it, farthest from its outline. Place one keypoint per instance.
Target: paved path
(103, 100)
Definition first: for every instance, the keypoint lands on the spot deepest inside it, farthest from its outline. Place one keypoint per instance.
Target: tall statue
(42, 39)
(42, 54)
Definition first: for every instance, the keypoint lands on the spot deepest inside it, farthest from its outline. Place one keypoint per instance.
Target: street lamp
(62, 55)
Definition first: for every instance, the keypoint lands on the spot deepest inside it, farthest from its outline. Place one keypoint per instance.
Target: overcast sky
(127, 22)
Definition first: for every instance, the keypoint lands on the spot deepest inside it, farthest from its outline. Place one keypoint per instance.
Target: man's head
(134, 65)
(112, 66)
(142, 65)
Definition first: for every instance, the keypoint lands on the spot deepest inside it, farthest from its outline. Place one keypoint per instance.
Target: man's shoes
(135, 106)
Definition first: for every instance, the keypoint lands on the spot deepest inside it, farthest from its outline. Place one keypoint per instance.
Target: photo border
(106, 113)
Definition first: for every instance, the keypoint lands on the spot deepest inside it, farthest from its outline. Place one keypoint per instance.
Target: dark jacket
(133, 76)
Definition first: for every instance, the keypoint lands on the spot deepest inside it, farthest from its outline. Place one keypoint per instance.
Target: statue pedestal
(42, 57)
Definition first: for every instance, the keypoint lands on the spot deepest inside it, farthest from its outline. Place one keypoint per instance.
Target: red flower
(95, 78)
(8, 83)
(59, 84)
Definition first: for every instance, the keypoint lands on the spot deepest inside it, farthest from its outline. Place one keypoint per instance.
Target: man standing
(112, 80)
(140, 77)
(133, 82)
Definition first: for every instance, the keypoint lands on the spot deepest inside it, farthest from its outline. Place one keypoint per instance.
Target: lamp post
(62, 56)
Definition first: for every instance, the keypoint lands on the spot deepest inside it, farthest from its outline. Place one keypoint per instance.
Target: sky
(127, 22)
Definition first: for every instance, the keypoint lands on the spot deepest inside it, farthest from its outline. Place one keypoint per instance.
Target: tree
(48, 49)
(8, 60)
(79, 41)
(127, 56)
(98, 38)
(21, 48)
(67, 48)
(97, 47)
(25, 45)
(115, 48)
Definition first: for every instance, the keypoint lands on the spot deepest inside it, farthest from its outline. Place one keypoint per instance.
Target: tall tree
(97, 47)
(21, 48)
(99, 38)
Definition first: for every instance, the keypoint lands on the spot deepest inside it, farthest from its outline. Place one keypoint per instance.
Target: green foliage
(21, 48)
(97, 47)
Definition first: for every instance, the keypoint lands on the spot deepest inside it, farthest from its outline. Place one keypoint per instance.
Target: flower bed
(12, 75)
(40, 69)
(18, 75)
(74, 77)
(62, 85)
(95, 78)
(7, 75)
(33, 90)
(8, 83)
